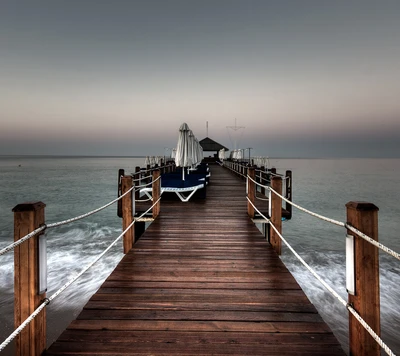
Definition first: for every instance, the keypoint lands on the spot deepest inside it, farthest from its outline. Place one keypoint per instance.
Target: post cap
(29, 206)
(361, 205)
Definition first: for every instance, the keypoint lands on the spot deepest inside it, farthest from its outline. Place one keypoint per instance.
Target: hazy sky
(305, 78)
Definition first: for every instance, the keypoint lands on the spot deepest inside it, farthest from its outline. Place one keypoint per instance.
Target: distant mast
(235, 128)
(206, 128)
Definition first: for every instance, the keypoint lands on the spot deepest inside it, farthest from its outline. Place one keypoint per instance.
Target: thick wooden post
(289, 192)
(32, 340)
(251, 191)
(366, 301)
(276, 213)
(127, 213)
(262, 180)
(136, 177)
(156, 192)
(121, 173)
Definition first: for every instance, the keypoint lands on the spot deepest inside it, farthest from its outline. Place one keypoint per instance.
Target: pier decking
(201, 280)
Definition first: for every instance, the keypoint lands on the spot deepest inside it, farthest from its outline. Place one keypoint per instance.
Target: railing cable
(66, 285)
(335, 222)
(329, 288)
(41, 228)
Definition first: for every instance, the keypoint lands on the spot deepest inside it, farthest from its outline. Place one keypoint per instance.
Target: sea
(71, 186)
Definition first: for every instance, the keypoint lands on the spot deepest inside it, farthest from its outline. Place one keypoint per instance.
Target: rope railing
(64, 222)
(153, 169)
(241, 174)
(67, 284)
(143, 186)
(327, 286)
(261, 177)
(335, 222)
(141, 178)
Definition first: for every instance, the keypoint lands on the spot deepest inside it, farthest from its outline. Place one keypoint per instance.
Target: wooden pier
(201, 280)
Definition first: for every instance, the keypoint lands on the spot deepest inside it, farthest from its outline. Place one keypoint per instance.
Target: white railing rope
(40, 229)
(373, 242)
(141, 178)
(328, 287)
(335, 222)
(66, 285)
(23, 325)
(21, 240)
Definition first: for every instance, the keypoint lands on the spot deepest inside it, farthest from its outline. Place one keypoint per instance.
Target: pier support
(276, 213)
(251, 191)
(366, 301)
(127, 213)
(288, 192)
(136, 178)
(156, 192)
(262, 180)
(32, 340)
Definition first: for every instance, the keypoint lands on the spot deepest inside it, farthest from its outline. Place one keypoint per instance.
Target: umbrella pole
(183, 173)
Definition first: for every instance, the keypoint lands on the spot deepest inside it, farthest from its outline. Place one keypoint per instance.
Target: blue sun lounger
(173, 183)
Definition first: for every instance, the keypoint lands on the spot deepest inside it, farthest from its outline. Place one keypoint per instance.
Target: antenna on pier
(235, 128)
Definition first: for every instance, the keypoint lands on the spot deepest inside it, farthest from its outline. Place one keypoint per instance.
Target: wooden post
(364, 217)
(289, 192)
(261, 179)
(32, 340)
(276, 213)
(127, 213)
(121, 173)
(138, 182)
(156, 192)
(251, 192)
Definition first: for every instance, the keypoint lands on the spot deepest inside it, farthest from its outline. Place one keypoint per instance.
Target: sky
(309, 78)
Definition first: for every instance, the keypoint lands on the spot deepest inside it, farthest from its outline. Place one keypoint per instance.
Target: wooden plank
(184, 348)
(108, 336)
(201, 280)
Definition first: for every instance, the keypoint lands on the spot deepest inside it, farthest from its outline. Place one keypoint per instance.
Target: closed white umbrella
(221, 154)
(183, 149)
(195, 151)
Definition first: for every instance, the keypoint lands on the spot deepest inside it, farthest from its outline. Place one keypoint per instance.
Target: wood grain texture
(201, 280)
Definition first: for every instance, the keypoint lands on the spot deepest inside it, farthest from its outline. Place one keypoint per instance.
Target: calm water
(71, 186)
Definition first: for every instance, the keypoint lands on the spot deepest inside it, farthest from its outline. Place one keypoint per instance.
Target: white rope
(332, 221)
(330, 289)
(33, 233)
(147, 184)
(23, 325)
(142, 200)
(21, 240)
(243, 175)
(373, 242)
(66, 285)
(298, 206)
(335, 222)
(141, 178)
(90, 212)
